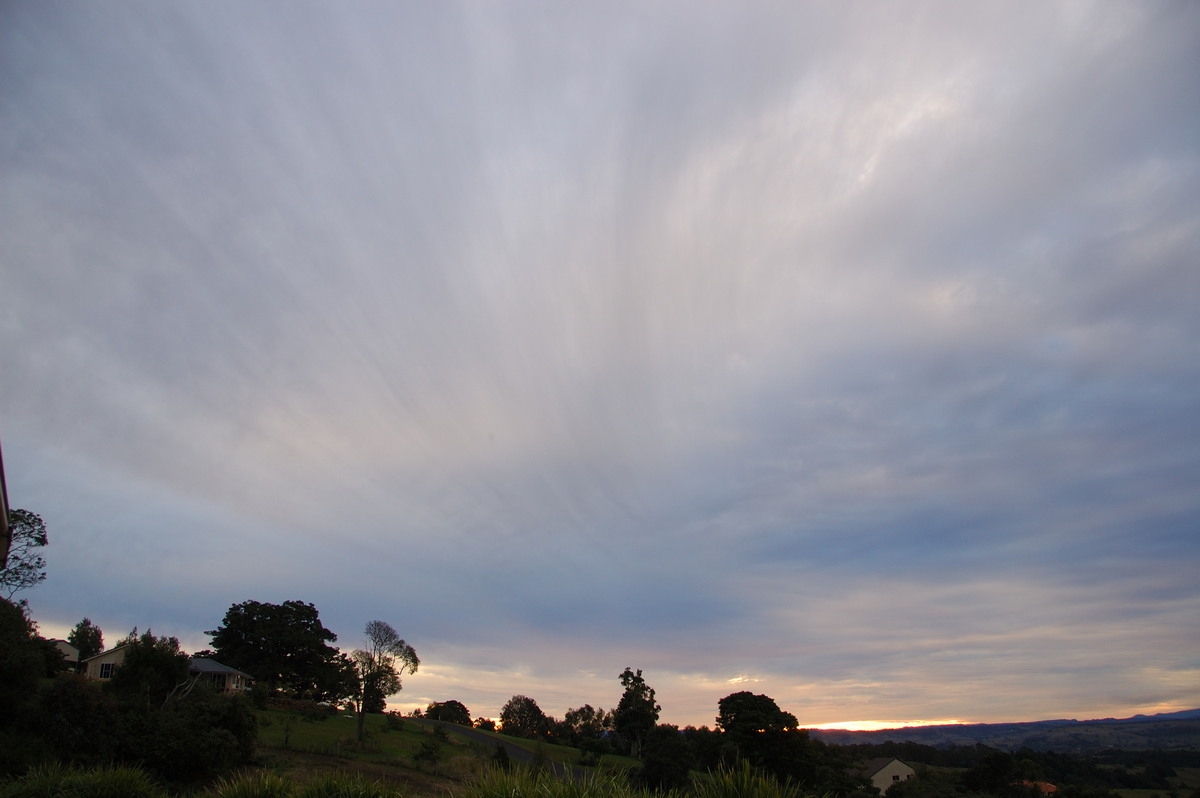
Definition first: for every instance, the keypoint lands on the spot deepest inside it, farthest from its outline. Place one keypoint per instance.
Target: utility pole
(5, 533)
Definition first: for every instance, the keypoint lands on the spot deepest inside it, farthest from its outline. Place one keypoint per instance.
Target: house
(204, 670)
(221, 677)
(886, 771)
(100, 667)
(69, 653)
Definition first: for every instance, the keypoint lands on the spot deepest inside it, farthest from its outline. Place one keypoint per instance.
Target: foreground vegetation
(129, 782)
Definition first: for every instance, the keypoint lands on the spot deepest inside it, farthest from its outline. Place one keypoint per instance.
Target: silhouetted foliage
(190, 739)
(522, 717)
(500, 757)
(77, 718)
(585, 723)
(86, 637)
(379, 667)
(636, 713)
(449, 711)
(284, 647)
(25, 566)
(153, 670)
(667, 759)
(22, 664)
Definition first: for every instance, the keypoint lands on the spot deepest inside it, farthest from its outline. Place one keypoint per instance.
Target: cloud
(850, 352)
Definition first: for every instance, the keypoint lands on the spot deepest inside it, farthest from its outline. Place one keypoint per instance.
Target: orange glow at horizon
(876, 725)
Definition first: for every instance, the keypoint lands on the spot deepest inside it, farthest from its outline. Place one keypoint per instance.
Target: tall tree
(637, 713)
(25, 566)
(380, 666)
(284, 647)
(522, 717)
(86, 637)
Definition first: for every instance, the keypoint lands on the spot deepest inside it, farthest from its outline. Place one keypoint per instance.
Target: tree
(768, 738)
(449, 711)
(86, 637)
(522, 717)
(153, 671)
(284, 647)
(25, 567)
(667, 760)
(741, 715)
(637, 713)
(584, 723)
(379, 668)
(21, 659)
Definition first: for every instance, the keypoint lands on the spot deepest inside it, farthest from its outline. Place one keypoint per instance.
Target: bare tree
(379, 667)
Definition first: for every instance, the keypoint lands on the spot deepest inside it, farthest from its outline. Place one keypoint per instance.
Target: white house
(886, 771)
(207, 671)
(69, 652)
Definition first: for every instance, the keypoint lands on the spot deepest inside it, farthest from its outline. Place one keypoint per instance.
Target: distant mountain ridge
(1164, 731)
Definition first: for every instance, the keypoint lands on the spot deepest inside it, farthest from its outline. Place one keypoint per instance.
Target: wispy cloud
(848, 351)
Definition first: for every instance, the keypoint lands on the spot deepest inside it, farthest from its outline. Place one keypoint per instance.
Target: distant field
(1188, 778)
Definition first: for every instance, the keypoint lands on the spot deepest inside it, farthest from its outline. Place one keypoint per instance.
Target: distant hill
(1168, 731)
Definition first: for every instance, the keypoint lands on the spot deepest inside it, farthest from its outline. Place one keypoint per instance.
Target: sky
(844, 352)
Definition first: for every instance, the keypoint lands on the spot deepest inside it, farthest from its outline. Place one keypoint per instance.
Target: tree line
(155, 714)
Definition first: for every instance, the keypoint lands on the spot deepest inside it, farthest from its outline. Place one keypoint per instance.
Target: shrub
(527, 783)
(741, 782)
(254, 785)
(347, 786)
(67, 782)
(77, 719)
(201, 736)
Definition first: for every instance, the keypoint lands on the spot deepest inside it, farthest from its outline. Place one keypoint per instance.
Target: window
(106, 669)
(896, 777)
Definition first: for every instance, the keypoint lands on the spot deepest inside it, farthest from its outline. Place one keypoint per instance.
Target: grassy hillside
(402, 752)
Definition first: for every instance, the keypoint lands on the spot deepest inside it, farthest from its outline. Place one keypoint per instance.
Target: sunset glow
(876, 725)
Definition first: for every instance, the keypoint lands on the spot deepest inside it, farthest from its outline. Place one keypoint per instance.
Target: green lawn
(387, 745)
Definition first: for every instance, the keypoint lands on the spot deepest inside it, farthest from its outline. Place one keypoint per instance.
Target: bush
(201, 736)
(66, 782)
(77, 719)
(255, 785)
(344, 786)
(742, 782)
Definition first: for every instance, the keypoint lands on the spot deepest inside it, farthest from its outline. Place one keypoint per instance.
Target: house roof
(205, 665)
(106, 653)
(873, 766)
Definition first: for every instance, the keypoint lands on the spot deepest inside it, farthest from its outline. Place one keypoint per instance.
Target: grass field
(309, 745)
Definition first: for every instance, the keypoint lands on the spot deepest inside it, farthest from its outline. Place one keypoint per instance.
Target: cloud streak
(847, 351)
